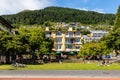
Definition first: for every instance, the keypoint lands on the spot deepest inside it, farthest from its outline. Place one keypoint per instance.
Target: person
(103, 62)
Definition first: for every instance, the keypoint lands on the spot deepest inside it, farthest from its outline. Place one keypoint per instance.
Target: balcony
(68, 42)
(48, 35)
(67, 50)
(70, 36)
(58, 35)
(77, 49)
(78, 36)
(58, 42)
(77, 42)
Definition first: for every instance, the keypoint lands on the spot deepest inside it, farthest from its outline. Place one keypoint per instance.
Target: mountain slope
(59, 14)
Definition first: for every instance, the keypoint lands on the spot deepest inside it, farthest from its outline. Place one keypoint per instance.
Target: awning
(58, 52)
(71, 53)
(47, 53)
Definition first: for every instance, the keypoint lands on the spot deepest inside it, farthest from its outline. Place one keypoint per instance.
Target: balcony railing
(70, 36)
(68, 42)
(58, 35)
(48, 35)
(58, 49)
(77, 42)
(78, 36)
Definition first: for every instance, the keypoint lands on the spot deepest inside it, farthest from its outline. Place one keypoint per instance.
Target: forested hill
(59, 14)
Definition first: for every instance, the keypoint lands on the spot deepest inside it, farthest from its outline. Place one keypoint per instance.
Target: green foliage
(84, 31)
(93, 49)
(58, 14)
(112, 40)
(117, 20)
(26, 40)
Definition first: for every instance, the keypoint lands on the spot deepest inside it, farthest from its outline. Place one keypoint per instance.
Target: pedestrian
(103, 62)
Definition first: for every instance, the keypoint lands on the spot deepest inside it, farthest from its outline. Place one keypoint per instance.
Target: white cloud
(14, 6)
(85, 9)
(98, 10)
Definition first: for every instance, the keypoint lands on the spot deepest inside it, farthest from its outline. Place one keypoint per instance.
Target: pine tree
(117, 20)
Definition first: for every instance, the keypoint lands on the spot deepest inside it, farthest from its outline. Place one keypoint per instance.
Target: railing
(58, 49)
(68, 42)
(78, 36)
(70, 36)
(77, 42)
(48, 35)
(58, 35)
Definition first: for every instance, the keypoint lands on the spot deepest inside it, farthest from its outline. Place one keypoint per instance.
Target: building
(65, 41)
(95, 35)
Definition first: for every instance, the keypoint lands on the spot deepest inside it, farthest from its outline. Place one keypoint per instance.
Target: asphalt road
(59, 74)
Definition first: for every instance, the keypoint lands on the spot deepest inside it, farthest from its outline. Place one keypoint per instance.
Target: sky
(15, 6)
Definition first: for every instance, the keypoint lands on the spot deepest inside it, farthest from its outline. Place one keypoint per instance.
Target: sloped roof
(5, 23)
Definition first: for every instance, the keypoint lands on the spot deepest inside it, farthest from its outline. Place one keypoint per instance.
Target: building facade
(94, 36)
(65, 41)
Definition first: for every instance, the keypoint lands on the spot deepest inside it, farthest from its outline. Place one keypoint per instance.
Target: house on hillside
(95, 35)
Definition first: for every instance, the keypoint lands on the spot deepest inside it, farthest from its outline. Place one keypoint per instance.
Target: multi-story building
(95, 35)
(65, 41)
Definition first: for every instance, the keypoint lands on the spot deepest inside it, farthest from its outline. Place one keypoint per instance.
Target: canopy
(47, 53)
(58, 52)
(71, 53)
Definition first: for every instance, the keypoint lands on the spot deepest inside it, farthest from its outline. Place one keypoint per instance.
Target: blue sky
(15, 6)
(105, 6)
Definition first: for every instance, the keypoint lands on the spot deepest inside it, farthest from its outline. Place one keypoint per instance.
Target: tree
(117, 20)
(25, 40)
(58, 14)
(93, 49)
(112, 40)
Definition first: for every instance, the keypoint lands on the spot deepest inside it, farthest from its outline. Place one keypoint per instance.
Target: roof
(5, 23)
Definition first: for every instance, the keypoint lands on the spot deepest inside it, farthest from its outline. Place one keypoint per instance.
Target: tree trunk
(7, 58)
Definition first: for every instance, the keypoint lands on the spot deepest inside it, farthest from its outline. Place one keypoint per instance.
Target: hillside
(59, 14)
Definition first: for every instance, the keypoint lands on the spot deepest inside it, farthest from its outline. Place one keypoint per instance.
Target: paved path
(59, 74)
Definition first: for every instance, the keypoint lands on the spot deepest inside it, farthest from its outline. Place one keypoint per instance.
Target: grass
(64, 66)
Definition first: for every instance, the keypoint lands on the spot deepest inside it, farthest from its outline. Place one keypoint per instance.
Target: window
(58, 33)
(68, 46)
(48, 34)
(58, 46)
(78, 33)
(58, 40)
(71, 34)
(77, 47)
(77, 40)
(67, 33)
(69, 40)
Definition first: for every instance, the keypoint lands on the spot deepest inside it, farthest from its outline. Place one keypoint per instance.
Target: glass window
(77, 47)
(67, 33)
(58, 33)
(78, 33)
(67, 40)
(58, 46)
(68, 46)
(71, 34)
(58, 40)
(77, 40)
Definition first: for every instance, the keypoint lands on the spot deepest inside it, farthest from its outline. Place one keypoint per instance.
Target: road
(59, 74)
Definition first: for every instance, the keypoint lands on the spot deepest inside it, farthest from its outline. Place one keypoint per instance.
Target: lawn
(64, 66)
